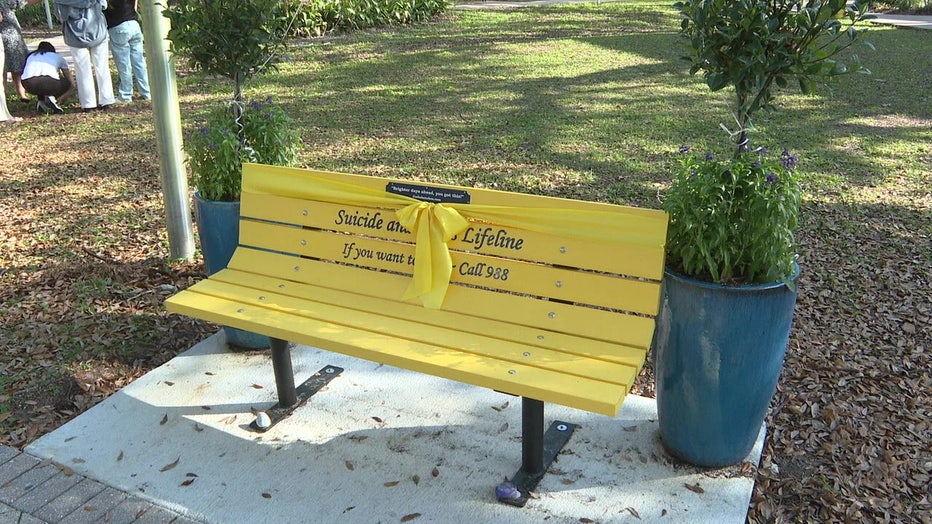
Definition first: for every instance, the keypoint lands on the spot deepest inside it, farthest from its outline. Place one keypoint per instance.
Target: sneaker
(53, 105)
(43, 106)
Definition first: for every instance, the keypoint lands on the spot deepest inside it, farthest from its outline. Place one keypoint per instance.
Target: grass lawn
(589, 101)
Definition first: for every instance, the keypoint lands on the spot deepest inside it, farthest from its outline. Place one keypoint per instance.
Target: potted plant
(730, 283)
(236, 40)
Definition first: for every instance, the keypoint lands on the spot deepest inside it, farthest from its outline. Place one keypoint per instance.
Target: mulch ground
(84, 272)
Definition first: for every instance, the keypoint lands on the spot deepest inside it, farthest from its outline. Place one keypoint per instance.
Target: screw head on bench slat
(303, 242)
(261, 297)
(304, 212)
(562, 249)
(297, 268)
(527, 353)
(540, 337)
(559, 283)
(552, 315)
(240, 310)
(512, 372)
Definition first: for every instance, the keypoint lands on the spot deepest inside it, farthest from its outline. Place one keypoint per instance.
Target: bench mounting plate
(305, 391)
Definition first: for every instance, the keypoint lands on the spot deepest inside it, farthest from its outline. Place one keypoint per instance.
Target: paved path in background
(34, 491)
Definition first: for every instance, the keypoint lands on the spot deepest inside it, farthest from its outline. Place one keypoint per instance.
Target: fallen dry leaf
(120, 456)
(164, 420)
(409, 517)
(392, 484)
(349, 465)
(695, 488)
(170, 466)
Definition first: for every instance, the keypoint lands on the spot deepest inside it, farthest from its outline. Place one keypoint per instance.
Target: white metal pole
(168, 130)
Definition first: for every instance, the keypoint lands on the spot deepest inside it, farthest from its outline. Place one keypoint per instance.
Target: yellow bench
(549, 299)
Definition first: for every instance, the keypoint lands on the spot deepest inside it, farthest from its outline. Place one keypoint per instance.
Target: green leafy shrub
(33, 16)
(733, 219)
(321, 16)
(258, 132)
(919, 7)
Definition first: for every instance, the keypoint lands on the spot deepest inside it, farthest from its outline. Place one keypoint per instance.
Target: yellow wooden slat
(609, 255)
(597, 289)
(605, 325)
(479, 196)
(490, 345)
(582, 346)
(545, 385)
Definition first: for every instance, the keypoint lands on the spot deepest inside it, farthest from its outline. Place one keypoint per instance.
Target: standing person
(126, 48)
(47, 76)
(14, 45)
(85, 30)
(5, 116)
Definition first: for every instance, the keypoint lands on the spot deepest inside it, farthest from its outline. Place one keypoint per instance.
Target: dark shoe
(43, 106)
(104, 108)
(24, 100)
(53, 104)
(89, 109)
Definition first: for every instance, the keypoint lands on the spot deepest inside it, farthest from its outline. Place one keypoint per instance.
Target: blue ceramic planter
(718, 353)
(218, 230)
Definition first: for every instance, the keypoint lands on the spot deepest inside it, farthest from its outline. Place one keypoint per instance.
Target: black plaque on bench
(436, 195)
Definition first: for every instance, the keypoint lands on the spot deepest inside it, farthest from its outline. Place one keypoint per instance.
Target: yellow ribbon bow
(433, 225)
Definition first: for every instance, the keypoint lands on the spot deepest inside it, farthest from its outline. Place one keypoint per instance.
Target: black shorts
(47, 86)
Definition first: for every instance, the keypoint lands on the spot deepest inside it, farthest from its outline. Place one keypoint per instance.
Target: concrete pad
(377, 444)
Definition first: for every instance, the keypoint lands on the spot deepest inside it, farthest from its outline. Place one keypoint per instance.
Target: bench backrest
(581, 280)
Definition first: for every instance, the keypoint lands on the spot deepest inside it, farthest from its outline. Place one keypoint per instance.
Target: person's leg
(100, 58)
(84, 77)
(120, 50)
(5, 115)
(140, 72)
(18, 82)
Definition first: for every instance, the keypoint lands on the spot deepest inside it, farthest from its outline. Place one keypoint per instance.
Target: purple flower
(790, 161)
(772, 178)
(709, 156)
(762, 151)
(685, 149)
(204, 131)
(213, 145)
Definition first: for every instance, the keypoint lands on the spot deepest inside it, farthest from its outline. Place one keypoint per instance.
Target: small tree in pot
(729, 291)
(235, 39)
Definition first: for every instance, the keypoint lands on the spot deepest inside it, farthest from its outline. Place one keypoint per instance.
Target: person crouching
(46, 75)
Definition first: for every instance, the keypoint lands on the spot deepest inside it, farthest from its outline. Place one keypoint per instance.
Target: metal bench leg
(538, 451)
(290, 398)
(284, 375)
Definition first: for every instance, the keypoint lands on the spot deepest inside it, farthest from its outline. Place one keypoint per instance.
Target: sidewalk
(34, 491)
(379, 444)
